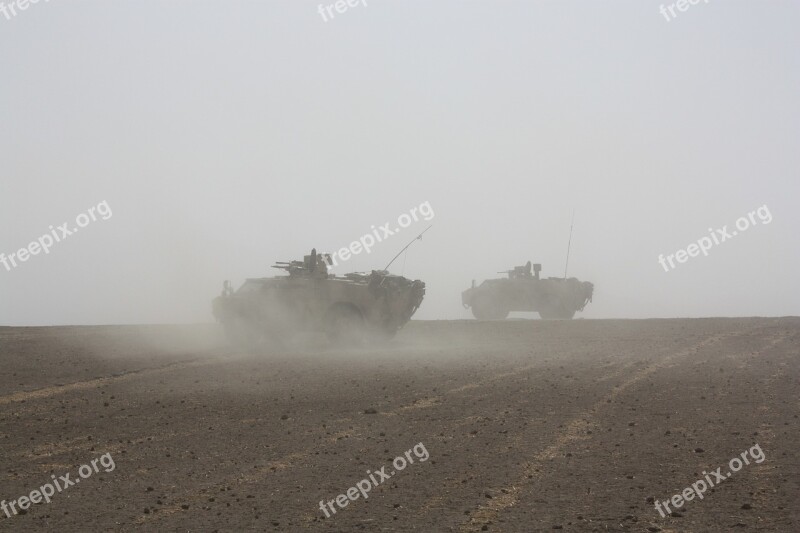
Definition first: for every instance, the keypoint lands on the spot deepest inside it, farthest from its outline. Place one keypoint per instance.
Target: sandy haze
(150, 151)
(225, 138)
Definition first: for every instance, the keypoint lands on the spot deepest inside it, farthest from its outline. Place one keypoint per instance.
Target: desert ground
(528, 425)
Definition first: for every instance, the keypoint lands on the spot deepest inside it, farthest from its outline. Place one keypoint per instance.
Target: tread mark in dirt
(93, 383)
(575, 430)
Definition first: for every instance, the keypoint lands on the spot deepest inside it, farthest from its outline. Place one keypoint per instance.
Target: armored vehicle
(523, 290)
(349, 308)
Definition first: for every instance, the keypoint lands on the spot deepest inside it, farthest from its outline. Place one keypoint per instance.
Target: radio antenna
(418, 237)
(569, 243)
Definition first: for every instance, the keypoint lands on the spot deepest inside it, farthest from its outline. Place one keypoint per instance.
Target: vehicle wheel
(556, 312)
(488, 309)
(344, 325)
(242, 334)
(382, 334)
(478, 312)
(499, 313)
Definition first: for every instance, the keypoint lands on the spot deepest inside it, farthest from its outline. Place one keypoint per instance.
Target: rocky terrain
(529, 425)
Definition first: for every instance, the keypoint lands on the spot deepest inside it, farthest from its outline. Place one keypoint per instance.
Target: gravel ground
(519, 425)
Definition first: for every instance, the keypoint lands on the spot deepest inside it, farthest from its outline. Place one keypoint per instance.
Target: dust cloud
(256, 133)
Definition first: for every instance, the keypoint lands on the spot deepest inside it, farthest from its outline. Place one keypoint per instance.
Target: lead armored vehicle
(349, 308)
(523, 290)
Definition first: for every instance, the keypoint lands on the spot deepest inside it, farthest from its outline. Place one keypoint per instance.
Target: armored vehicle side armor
(523, 290)
(349, 308)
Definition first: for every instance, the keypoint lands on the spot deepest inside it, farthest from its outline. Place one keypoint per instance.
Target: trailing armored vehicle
(523, 290)
(349, 308)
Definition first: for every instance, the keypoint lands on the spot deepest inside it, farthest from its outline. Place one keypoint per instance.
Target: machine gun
(524, 271)
(312, 266)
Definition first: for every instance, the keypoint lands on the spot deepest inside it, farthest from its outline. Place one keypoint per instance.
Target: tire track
(436, 502)
(574, 431)
(48, 392)
(292, 459)
(576, 427)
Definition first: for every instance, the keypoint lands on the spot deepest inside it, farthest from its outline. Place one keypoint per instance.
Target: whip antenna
(418, 237)
(569, 243)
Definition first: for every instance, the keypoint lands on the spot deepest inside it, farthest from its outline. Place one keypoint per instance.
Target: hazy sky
(225, 136)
